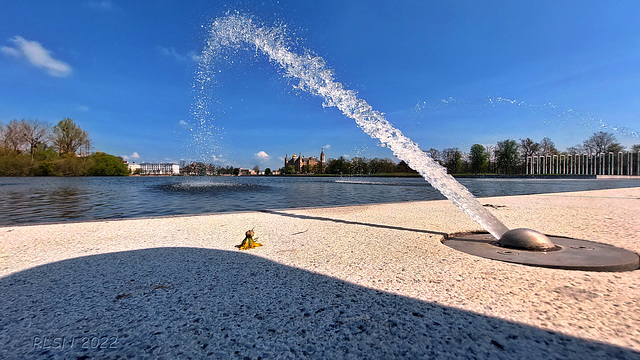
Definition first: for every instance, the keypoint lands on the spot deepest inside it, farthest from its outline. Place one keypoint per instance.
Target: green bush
(46, 168)
(15, 165)
(69, 165)
(101, 164)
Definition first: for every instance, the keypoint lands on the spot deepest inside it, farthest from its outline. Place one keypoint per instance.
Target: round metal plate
(570, 254)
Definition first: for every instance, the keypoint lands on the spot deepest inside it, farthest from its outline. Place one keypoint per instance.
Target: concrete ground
(371, 281)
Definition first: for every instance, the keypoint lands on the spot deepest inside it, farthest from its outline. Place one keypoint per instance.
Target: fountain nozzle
(526, 239)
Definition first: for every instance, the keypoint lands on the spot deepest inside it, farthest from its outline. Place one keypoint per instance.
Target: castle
(303, 164)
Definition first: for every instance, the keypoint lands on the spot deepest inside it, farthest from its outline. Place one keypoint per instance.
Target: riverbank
(337, 282)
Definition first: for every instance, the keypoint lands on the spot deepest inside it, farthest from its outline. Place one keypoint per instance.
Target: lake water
(34, 200)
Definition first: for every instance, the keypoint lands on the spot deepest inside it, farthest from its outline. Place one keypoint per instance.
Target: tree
(507, 156)
(381, 166)
(479, 159)
(635, 148)
(547, 147)
(435, 155)
(573, 150)
(338, 166)
(256, 169)
(35, 134)
(529, 148)
(491, 153)
(13, 136)
(68, 137)
(601, 142)
(268, 172)
(615, 148)
(359, 165)
(452, 160)
(103, 164)
(45, 168)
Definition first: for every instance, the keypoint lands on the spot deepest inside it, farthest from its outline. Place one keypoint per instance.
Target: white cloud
(10, 51)
(327, 146)
(183, 123)
(262, 155)
(36, 55)
(82, 108)
(133, 156)
(346, 156)
(173, 53)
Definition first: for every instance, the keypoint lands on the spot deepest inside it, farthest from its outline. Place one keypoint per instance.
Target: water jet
(235, 31)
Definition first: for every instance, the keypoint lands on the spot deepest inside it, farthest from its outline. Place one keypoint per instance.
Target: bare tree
(600, 142)
(435, 154)
(547, 147)
(573, 150)
(14, 138)
(35, 133)
(85, 148)
(491, 152)
(528, 147)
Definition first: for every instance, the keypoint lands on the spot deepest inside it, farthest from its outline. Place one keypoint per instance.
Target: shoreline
(267, 210)
(384, 175)
(385, 261)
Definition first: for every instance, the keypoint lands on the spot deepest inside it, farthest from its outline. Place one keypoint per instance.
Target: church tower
(322, 160)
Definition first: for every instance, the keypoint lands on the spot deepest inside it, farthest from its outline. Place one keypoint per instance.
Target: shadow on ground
(350, 222)
(202, 303)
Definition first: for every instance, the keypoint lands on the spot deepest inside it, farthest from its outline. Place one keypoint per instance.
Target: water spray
(238, 31)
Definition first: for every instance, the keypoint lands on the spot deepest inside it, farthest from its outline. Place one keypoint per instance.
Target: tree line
(202, 169)
(510, 156)
(505, 157)
(364, 166)
(36, 148)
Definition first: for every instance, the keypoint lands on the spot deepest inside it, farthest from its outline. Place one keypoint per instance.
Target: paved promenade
(371, 281)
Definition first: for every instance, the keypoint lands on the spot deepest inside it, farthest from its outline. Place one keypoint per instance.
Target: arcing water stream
(314, 77)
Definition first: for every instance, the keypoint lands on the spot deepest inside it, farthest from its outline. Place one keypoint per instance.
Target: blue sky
(448, 74)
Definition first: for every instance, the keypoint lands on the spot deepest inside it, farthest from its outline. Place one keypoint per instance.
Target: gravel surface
(370, 281)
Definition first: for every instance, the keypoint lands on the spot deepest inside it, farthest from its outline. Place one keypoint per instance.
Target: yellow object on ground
(248, 242)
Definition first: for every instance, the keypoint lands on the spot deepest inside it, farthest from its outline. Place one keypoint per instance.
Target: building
(155, 168)
(303, 164)
(132, 167)
(246, 172)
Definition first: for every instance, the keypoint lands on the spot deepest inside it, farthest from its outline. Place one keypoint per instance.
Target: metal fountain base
(529, 247)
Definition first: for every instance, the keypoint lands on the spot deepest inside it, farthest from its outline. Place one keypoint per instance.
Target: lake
(51, 199)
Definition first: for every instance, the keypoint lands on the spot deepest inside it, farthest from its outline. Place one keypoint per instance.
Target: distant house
(132, 166)
(246, 172)
(305, 164)
(155, 168)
